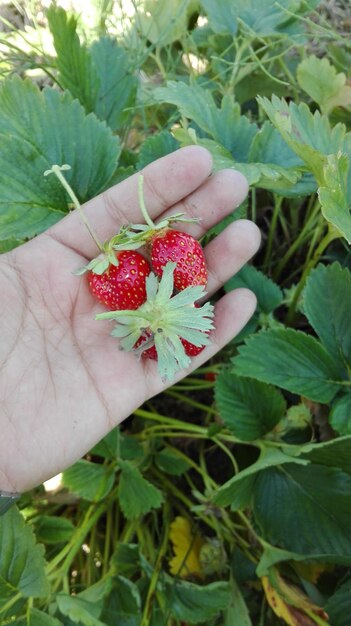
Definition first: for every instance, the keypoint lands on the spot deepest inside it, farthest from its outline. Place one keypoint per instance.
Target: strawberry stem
(57, 170)
(142, 205)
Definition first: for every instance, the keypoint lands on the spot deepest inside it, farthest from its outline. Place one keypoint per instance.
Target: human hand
(64, 383)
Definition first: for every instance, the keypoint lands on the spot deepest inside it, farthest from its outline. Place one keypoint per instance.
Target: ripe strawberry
(121, 286)
(172, 245)
(171, 327)
(151, 353)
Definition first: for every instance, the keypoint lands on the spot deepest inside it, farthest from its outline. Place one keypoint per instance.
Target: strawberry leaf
(292, 360)
(327, 305)
(225, 125)
(321, 81)
(335, 193)
(137, 496)
(101, 77)
(22, 565)
(248, 408)
(309, 135)
(38, 129)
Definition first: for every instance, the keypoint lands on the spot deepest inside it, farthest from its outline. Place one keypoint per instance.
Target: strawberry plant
(225, 499)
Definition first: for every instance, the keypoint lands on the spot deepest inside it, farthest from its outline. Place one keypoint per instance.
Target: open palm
(63, 382)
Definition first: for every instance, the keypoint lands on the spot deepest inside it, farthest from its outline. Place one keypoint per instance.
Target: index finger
(166, 182)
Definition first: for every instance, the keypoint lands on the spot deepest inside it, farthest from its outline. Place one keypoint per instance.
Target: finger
(166, 182)
(232, 312)
(229, 251)
(217, 197)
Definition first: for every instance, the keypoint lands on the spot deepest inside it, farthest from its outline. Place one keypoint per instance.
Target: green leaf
(327, 305)
(309, 135)
(321, 81)
(123, 602)
(268, 293)
(340, 415)
(248, 408)
(38, 129)
(53, 529)
(190, 602)
(155, 147)
(76, 69)
(90, 481)
(22, 565)
(116, 95)
(334, 453)
(263, 18)
(272, 555)
(163, 23)
(338, 606)
(126, 559)
(170, 462)
(78, 610)
(35, 617)
(305, 510)
(334, 196)
(224, 125)
(290, 359)
(237, 612)
(109, 446)
(268, 147)
(137, 496)
(238, 490)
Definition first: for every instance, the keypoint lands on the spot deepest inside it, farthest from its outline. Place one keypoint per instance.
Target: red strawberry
(122, 286)
(173, 245)
(151, 353)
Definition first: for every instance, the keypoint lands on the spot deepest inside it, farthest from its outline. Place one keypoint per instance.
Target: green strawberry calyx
(133, 236)
(165, 319)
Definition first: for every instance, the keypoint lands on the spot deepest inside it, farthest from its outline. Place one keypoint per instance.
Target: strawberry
(168, 327)
(151, 353)
(166, 245)
(173, 245)
(121, 286)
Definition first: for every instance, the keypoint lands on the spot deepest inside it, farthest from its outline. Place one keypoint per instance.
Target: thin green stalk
(272, 230)
(9, 604)
(145, 620)
(324, 243)
(57, 170)
(304, 234)
(190, 401)
(170, 421)
(70, 550)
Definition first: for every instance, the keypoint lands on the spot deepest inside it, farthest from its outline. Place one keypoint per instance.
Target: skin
(64, 384)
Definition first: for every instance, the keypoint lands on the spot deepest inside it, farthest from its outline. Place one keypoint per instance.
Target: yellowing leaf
(290, 604)
(311, 571)
(186, 547)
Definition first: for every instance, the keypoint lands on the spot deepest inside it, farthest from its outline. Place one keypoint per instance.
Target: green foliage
(248, 408)
(256, 464)
(38, 129)
(22, 565)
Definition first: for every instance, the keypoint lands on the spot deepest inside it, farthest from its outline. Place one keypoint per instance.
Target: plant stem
(58, 173)
(324, 243)
(145, 620)
(272, 228)
(142, 205)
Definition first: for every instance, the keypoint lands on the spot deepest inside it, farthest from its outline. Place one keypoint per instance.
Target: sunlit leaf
(321, 81)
